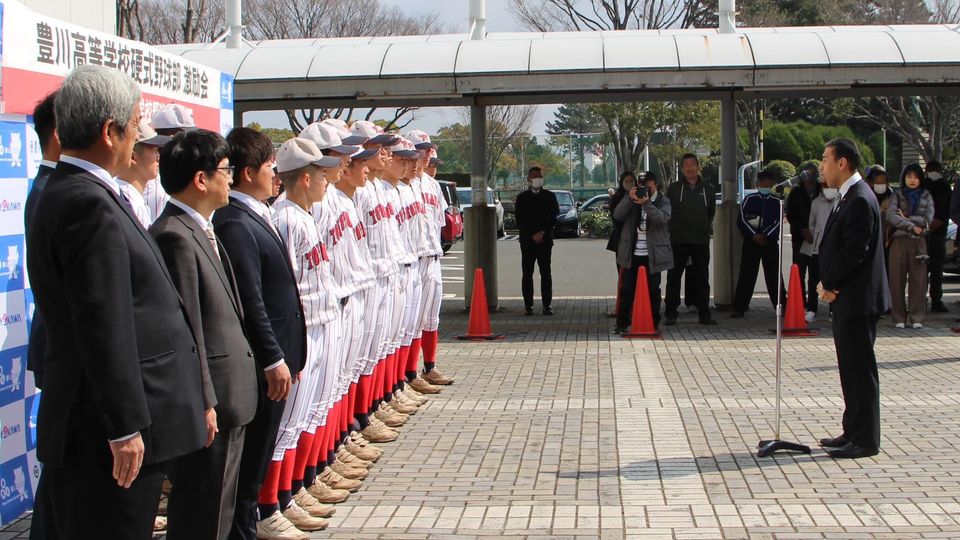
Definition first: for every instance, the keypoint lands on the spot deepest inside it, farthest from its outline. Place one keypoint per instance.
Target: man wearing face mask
(536, 210)
(939, 188)
(759, 224)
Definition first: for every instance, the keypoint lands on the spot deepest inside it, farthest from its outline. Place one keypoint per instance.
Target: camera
(642, 191)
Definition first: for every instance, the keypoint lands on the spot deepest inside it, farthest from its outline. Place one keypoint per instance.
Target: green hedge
(598, 224)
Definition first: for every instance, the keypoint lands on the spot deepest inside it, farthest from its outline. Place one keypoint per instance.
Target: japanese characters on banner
(36, 53)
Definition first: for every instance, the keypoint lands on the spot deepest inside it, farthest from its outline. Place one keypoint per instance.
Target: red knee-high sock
(270, 485)
(402, 362)
(319, 443)
(304, 446)
(376, 385)
(414, 357)
(430, 339)
(284, 493)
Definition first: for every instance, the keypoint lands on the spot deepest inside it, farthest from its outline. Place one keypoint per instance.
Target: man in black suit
(45, 124)
(195, 171)
(273, 316)
(853, 281)
(122, 390)
(536, 210)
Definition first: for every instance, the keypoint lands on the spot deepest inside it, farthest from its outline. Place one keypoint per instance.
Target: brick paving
(566, 431)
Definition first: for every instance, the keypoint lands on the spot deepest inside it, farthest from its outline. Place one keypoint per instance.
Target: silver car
(466, 201)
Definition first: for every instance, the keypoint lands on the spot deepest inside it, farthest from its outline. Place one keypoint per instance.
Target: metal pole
(478, 19)
(884, 147)
(728, 16)
(234, 21)
(776, 432)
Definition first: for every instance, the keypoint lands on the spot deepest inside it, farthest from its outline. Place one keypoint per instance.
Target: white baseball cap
(405, 149)
(298, 152)
(173, 116)
(326, 137)
(346, 137)
(147, 135)
(373, 133)
(420, 139)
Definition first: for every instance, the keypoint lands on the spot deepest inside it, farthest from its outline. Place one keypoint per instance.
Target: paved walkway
(565, 431)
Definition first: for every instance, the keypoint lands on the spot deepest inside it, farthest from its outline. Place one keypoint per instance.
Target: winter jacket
(921, 217)
(760, 214)
(693, 210)
(820, 210)
(659, 249)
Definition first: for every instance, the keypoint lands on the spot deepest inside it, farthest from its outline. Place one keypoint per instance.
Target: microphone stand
(768, 447)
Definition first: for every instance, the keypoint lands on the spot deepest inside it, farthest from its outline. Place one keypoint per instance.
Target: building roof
(588, 66)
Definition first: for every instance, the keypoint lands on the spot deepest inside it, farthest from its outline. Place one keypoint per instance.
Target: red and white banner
(37, 53)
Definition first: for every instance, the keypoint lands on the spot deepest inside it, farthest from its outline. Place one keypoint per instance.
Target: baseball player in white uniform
(435, 207)
(169, 120)
(143, 169)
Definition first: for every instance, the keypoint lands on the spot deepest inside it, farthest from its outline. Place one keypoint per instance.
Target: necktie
(213, 241)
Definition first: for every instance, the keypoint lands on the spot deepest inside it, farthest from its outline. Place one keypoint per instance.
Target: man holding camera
(644, 241)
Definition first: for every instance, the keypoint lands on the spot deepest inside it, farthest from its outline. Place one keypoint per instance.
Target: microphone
(792, 182)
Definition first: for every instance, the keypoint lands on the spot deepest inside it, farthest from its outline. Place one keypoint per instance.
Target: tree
(577, 15)
(505, 126)
(929, 123)
(576, 118)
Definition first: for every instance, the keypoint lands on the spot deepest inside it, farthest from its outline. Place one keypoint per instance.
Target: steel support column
(480, 220)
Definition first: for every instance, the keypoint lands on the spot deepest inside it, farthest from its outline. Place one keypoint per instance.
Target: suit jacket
(121, 355)
(851, 255)
(273, 315)
(37, 346)
(209, 293)
(536, 212)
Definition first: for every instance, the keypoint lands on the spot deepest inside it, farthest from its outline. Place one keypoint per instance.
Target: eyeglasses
(228, 169)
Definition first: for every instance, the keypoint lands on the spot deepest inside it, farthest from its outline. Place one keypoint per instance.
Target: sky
(454, 16)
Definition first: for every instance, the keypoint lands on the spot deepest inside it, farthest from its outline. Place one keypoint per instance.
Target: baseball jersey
(155, 197)
(310, 261)
(374, 208)
(346, 241)
(435, 206)
(398, 244)
(411, 217)
(137, 202)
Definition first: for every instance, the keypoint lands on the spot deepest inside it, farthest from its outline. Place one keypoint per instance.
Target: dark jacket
(536, 212)
(851, 255)
(273, 315)
(941, 193)
(37, 346)
(121, 355)
(209, 292)
(659, 250)
(764, 211)
(693, 211)
(798, 211)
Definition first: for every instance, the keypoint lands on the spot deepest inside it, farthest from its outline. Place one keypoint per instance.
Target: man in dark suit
(122, 390)
(196, 173)
(536, 210)
(273, 316)
(45, 124)
(853, 281)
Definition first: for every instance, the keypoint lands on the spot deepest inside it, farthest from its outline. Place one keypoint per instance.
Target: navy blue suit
(851, 262)
(273, 317)
(37, 347)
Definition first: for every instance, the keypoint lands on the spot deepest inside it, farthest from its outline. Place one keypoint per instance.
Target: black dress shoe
(939, 307)
(852, 451)
(671, 321)
(620, 330)
(547, 310)
(736, 315)
(708, 322)
(528, 311)
(833, 442)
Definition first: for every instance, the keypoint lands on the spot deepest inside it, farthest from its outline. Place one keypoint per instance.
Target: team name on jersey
(318, 254)
(410, 211)
(343, 223)
(431, 199)
(379, 213)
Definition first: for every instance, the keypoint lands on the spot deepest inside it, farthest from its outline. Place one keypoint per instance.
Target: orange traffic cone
(641, 320)
(478, 329)
(794, 323)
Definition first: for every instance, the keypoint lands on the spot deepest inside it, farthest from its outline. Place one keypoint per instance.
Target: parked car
(452, 231)
(568, 224)
(466, 202)
(597, 203)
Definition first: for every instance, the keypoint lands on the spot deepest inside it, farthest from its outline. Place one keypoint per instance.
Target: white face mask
(830, 193)
(879, 189)
(934, 176)
(537, 183)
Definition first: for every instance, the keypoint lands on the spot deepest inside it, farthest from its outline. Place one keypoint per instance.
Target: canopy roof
(588, 66)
